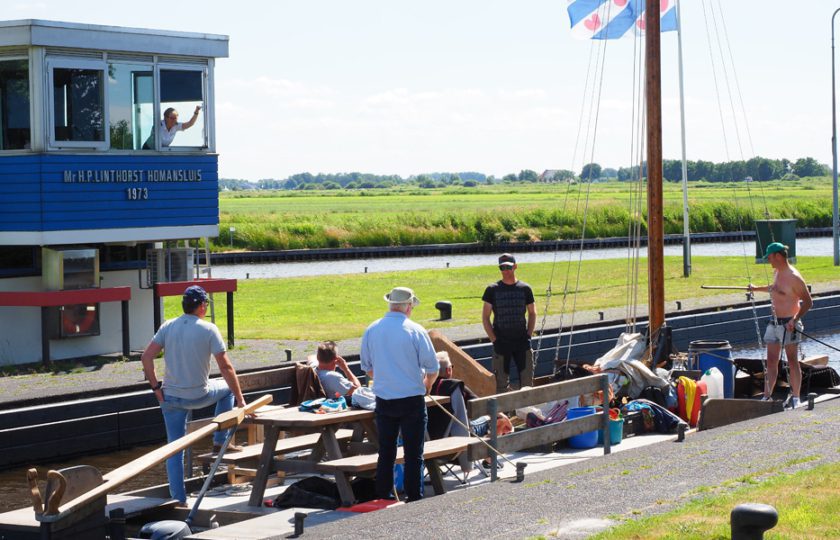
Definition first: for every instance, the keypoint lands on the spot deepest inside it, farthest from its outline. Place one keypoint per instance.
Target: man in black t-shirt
(507, 300)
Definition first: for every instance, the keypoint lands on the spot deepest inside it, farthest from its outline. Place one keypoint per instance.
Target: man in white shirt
(170, 126)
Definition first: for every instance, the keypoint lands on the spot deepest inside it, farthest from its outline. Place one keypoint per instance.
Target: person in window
(170, 126)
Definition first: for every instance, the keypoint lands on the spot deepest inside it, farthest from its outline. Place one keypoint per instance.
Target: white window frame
(67, 63)
(151, 66)
(205, 76)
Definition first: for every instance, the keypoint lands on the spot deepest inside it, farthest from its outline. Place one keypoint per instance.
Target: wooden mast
(653, 91)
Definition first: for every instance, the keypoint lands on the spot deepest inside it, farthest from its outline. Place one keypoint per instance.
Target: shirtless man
(785, 327)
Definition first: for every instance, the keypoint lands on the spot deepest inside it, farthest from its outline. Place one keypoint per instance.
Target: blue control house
(108, 181)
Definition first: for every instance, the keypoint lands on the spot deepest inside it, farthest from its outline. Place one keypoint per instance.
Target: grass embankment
(808, 503)
(341, 306)
(521, 213)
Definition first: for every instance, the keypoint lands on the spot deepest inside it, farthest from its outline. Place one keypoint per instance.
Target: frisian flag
(612, 19)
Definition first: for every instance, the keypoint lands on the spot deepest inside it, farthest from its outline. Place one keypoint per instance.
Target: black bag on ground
(317, 492)
(654, 394)
(312, 492)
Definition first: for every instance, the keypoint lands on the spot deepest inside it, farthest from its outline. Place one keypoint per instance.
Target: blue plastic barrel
(718, 354)
(584, 440)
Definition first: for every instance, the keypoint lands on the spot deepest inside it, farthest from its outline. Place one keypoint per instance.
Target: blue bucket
(717, 354)
(584, 440)
(616, 432)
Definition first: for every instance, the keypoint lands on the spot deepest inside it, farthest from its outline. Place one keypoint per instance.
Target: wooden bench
(529, 438)
(433, 451)
(237, 461)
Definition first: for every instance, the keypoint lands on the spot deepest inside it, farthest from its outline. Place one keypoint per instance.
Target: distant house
(555, 175)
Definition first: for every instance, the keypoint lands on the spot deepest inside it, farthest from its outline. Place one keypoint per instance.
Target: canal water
(804, 246)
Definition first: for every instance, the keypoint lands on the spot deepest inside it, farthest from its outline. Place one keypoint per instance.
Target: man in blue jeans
(188, 343)
(398, 355)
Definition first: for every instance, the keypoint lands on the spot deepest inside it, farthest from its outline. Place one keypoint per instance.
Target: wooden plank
(448, 446)
(271, 378)
(534, 396)
(537, 436)
(721, 412)
(283, 446)
(478, 379)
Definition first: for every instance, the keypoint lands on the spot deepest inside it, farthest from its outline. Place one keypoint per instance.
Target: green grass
(808, 503)
(410, 216)
(341, 306)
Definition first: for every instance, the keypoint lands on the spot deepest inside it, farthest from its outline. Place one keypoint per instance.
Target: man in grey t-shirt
(335, 384)
(188, 343)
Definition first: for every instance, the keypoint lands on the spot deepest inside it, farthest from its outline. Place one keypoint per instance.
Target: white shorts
(777, 333)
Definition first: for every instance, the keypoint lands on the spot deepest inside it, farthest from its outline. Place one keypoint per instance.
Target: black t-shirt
(509, 306)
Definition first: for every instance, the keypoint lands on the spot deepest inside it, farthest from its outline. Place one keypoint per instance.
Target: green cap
(775, 247)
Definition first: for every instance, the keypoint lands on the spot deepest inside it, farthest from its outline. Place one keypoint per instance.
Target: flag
(612, 19)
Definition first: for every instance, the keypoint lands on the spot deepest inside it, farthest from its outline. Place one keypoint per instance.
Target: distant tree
(490, 180)
(809, 167)
(509, 178)
(609, 172)
(470, 183)
(428, 183)
(590, 171)
(330, 185)
(352, 185)
(527, 175)
(367, 184)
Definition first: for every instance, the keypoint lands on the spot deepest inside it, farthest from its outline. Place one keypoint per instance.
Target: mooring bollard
(749, 521)
(447, 265)
(811, 397)
(520, 471)
(679, 305)
(365, 269)
(288, 355)
(116, 523)
(681, 431)
(299, 517)
(247, 275)
(600, 315)
(445, 308)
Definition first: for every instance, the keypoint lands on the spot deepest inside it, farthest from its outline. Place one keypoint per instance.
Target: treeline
(758, 169)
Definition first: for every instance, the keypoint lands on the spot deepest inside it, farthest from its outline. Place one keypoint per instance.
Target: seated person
(335, 384)
(445, 385)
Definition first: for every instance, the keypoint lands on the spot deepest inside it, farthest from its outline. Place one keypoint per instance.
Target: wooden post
(493, 409)
(605, 421)
(45, 336)
(653, 87)
(230, 318)
(126, 333)
(156, 307)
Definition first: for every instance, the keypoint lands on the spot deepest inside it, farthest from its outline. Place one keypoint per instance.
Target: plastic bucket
(717, 354)
(584, 440)
(616, 432)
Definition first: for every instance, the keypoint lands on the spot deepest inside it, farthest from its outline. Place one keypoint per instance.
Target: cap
(506, 259)
(194, 296)
(775, 247)
(401, 295)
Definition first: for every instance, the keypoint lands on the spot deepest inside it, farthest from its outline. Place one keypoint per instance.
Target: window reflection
(78, 104)
(130, 105)
(14, 105)
(183, 91)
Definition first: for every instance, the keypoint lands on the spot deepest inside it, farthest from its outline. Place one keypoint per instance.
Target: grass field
(808, 503)
(413, 216)
(341, 306)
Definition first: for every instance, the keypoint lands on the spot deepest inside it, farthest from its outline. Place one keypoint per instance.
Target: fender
(78, 319)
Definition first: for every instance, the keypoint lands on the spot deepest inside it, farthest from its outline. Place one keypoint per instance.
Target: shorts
(777, 333)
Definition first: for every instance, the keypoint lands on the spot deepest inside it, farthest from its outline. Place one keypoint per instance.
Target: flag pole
(686, 231)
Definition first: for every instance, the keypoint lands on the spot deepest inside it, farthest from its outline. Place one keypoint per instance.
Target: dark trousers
(406, 415)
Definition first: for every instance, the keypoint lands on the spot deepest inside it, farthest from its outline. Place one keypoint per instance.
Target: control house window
(183, 90)
(131, 104)
(78, 107)
(14, 105)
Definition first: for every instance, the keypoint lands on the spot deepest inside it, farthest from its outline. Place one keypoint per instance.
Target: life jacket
(689, 392)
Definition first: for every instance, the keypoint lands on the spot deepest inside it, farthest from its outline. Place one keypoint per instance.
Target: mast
(653, 87)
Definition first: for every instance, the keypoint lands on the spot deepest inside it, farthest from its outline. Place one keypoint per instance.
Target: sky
(399, 87)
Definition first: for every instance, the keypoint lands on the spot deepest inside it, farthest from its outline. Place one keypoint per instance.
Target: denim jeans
(406, 415)
(175, 411)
